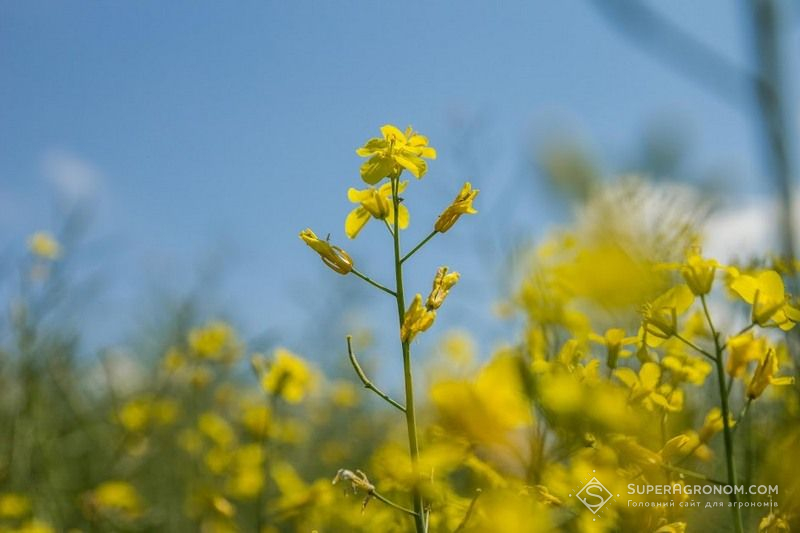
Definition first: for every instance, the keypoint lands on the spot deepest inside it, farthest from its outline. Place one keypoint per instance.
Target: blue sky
(203, 128)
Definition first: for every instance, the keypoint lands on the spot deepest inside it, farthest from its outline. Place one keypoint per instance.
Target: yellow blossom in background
(614, 340)
(442, 283)
(216, 341)
(333, 256)
(395, 151)
(43, 245)
(377, 204)
(34, 526)
(683, 366)
(216, 428)
(418, 318)
(116, 498)
(13, 505)
(289, 376)
(742, 350)
(767, 295)
(661, 315)
(462, 205)
(765, 375)
(487, 407)
(697, 271)
(644, 386)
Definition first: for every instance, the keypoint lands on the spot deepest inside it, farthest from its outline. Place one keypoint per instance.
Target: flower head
(742, 349)
(698, 272)
(661, 315)
(462, 205)
(333, 256)
(442, 283)
(614, 339)
(216, 341)
(374, 203)
(396, 151)
(765, 375)
(767, 295)
(43, 245)
(289, 376)
(418, 318)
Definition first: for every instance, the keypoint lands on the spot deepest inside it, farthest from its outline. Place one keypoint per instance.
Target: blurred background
(175, 150)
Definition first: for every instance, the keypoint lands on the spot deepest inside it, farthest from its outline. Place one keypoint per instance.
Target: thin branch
(695, 347)
(468, 515)
(692, 474)
(365, 380)
(390, 503)
(373, 283)
(420, 245)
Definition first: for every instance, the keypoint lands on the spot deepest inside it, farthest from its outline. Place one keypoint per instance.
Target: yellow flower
(393, 153)
(215, 341)
(462, 205)
(442, 284)
(712, 424)
(741, 350)
(644, 386)
(767, 295)
(614, 339)
(42, 244)
(374, 203)
(13, 505)
(418, 318)
(216, 428)
(34, 526)
(698, 272)
(289, 376)
(661, 315)
(685, 367)
(118, 498)
(764, 375)
(333, 256)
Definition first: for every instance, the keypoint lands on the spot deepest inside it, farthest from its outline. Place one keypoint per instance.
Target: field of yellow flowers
(645, 386)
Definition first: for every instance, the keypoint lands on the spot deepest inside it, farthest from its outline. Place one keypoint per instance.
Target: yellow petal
(355, 221)
(649, 375)
(403, 218)
(393, 133)
(357, 196)
(412, 163)
(376, 168)
(627, 376)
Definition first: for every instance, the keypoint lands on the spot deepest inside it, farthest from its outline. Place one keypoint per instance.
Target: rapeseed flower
(614, 340)
(216, 341)
(43, 245)
(462, 205)
(766, 293)
(116, 498)
(765, 375)
(394, 152)
(377, 204)
(661, 315)
(442, 283)
(418, 318)
(333, 256)
(289, 376)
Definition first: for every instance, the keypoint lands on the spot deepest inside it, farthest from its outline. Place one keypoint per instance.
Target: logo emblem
(594, 495)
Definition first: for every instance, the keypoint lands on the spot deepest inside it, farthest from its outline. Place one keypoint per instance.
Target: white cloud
(76, 180)
(746, 229)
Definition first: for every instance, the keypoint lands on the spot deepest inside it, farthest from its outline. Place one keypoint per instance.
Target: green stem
(411, 418)
(365, 380)
(726, 425)
(373, 282)
(390, 503)
(420, 245)
(692, 474)
(695, 347)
